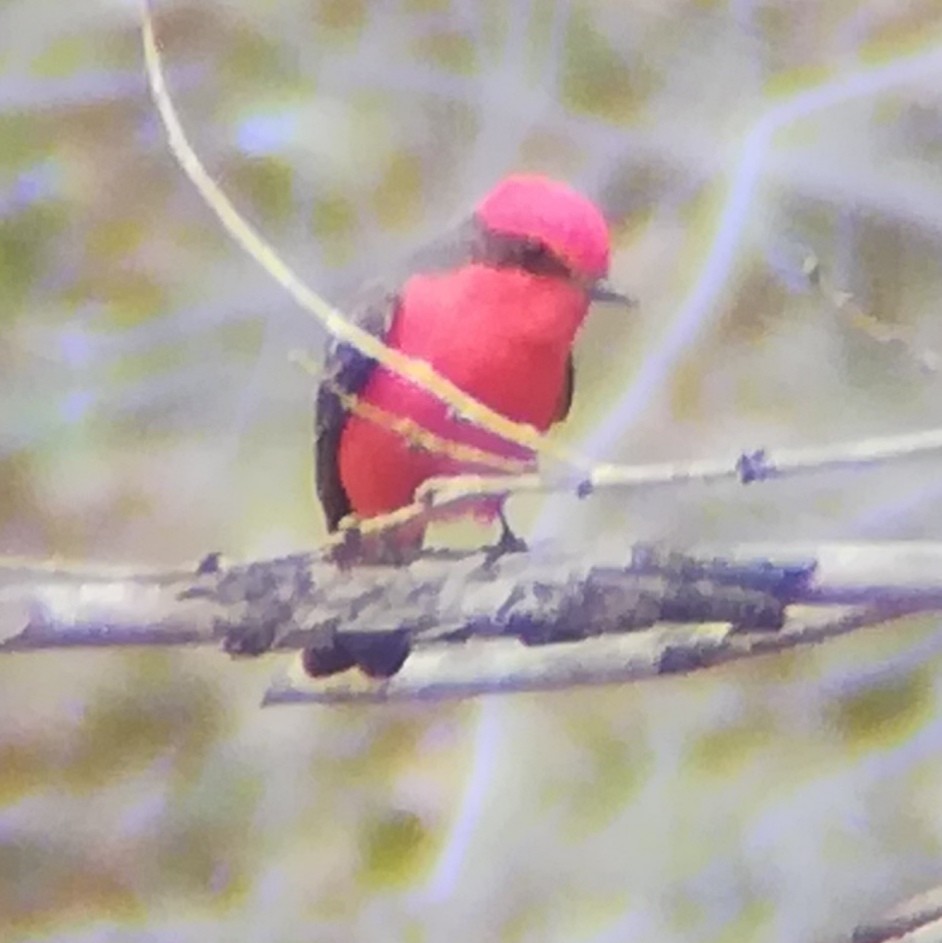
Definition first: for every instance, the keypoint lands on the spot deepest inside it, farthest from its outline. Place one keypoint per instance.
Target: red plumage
(501, 335)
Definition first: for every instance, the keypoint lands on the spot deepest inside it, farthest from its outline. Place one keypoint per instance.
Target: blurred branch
(61, 607)
(586, 615)
(918, 920)
(844, 303)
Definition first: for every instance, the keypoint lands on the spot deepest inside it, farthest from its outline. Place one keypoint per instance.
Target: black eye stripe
(529, 255)
(535, 258)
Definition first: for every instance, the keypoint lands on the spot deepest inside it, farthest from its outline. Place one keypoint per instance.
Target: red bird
(496, 311)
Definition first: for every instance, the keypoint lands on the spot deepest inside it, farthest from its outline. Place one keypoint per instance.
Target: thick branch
(588, 615)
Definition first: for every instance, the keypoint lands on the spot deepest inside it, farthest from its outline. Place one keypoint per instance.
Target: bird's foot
(508, 542)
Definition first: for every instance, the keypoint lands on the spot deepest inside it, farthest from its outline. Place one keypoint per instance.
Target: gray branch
(544, 619)
(918, 920)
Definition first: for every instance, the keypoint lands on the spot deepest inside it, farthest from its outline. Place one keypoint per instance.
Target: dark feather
(566, 393)
(346, 369)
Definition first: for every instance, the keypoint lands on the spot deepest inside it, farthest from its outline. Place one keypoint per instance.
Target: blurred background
(149, 414)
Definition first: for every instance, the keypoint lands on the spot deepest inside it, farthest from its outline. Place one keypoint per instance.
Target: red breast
(501, 335)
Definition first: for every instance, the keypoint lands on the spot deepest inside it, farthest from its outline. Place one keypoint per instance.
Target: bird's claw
(508, 542)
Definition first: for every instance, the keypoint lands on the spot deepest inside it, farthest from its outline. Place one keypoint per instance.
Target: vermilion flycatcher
(495, 309)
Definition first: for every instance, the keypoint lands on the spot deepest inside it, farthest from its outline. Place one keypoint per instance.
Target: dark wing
(565, 395)
(346, 369)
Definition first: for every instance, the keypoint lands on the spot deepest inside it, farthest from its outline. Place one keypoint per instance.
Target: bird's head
(550, 216)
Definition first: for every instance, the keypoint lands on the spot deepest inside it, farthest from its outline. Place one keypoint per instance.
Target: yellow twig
(417, 371)
(415, 434)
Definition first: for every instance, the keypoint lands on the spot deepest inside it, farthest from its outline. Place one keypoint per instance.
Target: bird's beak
(603, 290)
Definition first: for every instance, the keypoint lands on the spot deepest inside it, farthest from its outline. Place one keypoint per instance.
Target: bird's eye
(533, 254)
(537, 258)
(529, 255)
